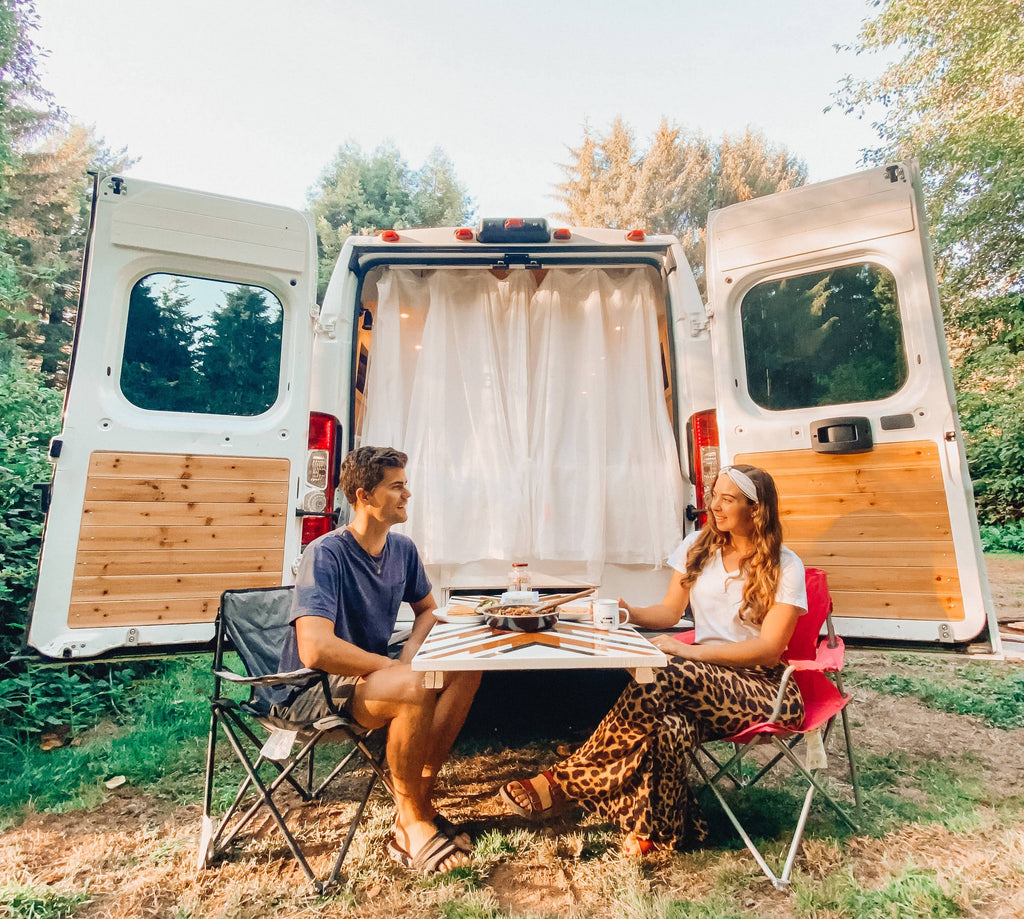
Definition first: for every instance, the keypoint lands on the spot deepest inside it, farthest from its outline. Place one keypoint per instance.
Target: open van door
(185, 423)
(832, 374)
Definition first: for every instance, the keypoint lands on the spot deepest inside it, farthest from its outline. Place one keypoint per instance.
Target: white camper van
(564, 394)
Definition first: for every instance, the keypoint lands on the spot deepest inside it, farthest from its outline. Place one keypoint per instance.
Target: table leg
(643, 674)
(433, 679)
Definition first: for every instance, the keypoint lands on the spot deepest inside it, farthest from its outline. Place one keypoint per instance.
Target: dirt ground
(134, 855)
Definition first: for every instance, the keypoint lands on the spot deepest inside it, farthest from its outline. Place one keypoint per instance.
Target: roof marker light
(514, 223)
(464, 233)
(389, 236)
(562, 233)
(636, 236)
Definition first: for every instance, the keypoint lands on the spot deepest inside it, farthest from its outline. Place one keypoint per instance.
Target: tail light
(705, 458)
(322, 464)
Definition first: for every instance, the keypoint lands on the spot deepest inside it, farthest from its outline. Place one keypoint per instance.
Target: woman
(746, 591)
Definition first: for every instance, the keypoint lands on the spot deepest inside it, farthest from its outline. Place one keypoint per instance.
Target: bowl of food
(518, 617)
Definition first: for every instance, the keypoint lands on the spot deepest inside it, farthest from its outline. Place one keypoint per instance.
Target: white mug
(606, 614)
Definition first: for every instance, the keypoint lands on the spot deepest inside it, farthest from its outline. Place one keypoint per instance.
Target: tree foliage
(29, 417)
(24, 104)
(954, 97)
(44, 218)
(672, 185)
(365, 193)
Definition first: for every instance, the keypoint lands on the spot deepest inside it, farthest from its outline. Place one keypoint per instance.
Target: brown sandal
(633, 846)
(538, 808)
(431, 855)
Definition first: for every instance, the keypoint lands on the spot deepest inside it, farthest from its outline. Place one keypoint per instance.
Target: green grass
(159, 745)
(914, 894)
(990, 691)
(22, 901)
(899, 789)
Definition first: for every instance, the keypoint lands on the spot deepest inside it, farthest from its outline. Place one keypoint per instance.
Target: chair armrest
(827, 660)
(291, 678)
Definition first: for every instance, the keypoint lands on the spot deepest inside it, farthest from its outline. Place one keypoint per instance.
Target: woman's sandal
(634, 845)
(545, 798)
(430, 857)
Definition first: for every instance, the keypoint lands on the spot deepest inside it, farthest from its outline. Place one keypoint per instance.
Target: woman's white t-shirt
(716, 595)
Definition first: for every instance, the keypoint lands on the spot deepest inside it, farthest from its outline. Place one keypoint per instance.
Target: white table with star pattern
(567, 646)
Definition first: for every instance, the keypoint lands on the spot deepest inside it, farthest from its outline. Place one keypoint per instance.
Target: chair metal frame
(296, 769)
(817, 670)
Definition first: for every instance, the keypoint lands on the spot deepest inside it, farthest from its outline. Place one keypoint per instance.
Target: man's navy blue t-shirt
(360, 593)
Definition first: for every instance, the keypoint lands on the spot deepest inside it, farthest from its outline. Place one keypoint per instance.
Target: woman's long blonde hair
(762, 567)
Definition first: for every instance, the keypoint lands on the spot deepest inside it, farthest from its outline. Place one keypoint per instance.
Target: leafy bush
(29, 417)
(1009, 537)
(32, 699)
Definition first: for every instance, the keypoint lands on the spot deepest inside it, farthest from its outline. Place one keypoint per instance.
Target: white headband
(743, 482)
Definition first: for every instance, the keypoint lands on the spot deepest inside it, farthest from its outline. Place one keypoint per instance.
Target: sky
(252, 98)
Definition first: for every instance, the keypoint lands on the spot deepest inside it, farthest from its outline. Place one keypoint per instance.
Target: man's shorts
(311, 705)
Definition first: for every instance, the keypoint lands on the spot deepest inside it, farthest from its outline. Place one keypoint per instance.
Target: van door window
(823, 338)
(202, 346)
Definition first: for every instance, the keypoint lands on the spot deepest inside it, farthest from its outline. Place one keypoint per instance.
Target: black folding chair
(254, 624)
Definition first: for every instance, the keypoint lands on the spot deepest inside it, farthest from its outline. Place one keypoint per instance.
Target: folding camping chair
(811, 665)
(254, 624)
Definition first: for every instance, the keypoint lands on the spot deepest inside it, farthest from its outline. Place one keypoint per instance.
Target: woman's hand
(670, 646)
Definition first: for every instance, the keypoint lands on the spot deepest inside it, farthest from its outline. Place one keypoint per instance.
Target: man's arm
(321, 649)
(423, 623)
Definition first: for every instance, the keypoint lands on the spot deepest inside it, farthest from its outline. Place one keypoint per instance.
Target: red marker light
(514, 223)
(464, 233)
(561, 233)
(389, 236)
(636, 236)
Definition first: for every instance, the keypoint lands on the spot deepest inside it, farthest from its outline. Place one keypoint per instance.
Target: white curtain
(534, 419)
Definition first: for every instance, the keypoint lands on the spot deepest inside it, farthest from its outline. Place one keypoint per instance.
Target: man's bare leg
(450, 713)
(396, 697)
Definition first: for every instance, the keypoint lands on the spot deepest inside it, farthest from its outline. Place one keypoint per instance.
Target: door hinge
(895, 173)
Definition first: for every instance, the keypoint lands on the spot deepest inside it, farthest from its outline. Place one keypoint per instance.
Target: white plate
(442, 614)
(574, 612)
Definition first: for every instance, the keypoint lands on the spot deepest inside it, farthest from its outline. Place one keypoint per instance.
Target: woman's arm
(662, 615)
(763, 651)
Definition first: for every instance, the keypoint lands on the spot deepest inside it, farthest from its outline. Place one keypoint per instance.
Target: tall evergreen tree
(364, 193)
(240, 359)
(671, 186)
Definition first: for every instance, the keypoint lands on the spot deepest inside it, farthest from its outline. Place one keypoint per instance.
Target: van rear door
(833, 374)
(185, 422)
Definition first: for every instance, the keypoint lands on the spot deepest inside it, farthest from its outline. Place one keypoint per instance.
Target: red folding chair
(817, 669)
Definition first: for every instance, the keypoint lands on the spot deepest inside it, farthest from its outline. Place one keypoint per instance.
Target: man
(348, 590)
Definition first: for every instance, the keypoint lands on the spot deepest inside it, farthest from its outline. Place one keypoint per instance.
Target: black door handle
(850, 434)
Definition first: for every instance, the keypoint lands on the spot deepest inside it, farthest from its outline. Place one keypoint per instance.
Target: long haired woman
(746, 591)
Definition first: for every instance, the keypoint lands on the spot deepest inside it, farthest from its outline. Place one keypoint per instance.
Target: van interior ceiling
(535, 408)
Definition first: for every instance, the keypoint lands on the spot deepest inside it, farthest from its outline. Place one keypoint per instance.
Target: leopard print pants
(633, 769)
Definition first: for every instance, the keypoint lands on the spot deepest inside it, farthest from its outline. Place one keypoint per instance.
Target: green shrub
(29, 417)
(1007, 537)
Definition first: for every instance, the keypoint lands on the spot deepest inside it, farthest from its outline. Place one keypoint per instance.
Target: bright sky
(252, 97)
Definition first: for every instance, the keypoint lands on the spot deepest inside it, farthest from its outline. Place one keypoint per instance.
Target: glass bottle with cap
(519, 576)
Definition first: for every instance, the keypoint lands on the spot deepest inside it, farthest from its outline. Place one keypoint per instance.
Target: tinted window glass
(195, 345)
(823, 338)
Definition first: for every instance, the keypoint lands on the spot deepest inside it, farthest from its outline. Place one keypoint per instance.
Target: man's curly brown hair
(364, 468)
